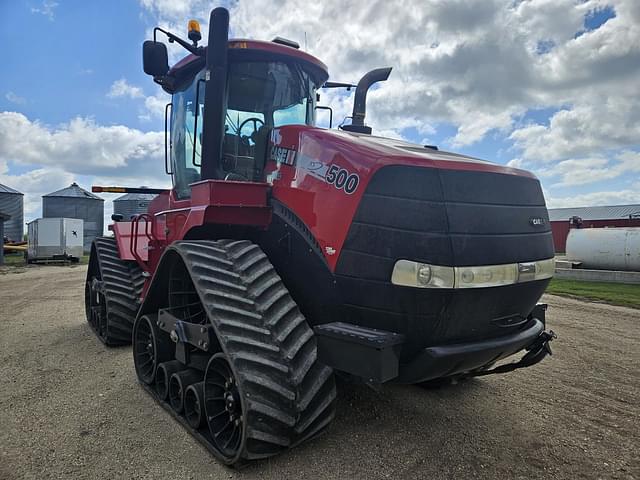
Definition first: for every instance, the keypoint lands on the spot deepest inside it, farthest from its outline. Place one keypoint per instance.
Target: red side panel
(234, 203)
(212, 202)
(123, 233)
(216, 202)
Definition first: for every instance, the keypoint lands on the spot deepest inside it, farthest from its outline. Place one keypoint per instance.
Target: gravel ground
(70, 408)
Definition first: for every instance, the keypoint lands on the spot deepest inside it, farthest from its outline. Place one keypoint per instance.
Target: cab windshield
(261, 95)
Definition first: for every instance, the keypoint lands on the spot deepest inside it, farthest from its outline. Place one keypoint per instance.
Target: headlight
(486, 276)
(414, 274)
(545, 268)
(422, 275)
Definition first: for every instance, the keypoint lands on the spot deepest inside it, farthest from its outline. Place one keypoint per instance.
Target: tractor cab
(266, 86)
(226, 98)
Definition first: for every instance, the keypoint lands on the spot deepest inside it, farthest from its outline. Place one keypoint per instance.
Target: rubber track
(122, 282)
(288, 395)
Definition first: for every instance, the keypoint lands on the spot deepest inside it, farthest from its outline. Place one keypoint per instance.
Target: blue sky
(546, 86)
(63, 65)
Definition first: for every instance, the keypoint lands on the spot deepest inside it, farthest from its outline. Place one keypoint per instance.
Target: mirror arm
(348, 86)
(199, 51)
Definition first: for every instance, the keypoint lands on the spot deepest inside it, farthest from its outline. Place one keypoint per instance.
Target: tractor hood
(370, 201)
(385, 149)
(365, 203)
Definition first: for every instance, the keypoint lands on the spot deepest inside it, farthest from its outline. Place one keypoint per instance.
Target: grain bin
(605, 248)
(75, 202)
(132, 204)
(3, 218)
(12, 204)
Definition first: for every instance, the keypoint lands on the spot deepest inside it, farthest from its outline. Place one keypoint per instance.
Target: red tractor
(286, 253)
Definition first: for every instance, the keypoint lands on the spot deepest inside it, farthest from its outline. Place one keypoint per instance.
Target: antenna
(305, 41)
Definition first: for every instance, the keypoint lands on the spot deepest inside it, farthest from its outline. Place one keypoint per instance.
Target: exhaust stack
(360, 101)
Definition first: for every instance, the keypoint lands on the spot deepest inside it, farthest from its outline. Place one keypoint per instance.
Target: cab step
(367, 353)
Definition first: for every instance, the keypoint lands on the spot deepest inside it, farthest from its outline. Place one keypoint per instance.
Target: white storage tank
(55, 239)
(605, 248)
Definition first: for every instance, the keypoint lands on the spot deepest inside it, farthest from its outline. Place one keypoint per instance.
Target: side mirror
(155, 60)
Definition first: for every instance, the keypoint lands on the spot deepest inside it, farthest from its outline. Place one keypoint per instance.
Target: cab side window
(186, 139)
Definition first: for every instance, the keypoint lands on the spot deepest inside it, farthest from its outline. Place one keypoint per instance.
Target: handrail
(167, 142)
(148, 232)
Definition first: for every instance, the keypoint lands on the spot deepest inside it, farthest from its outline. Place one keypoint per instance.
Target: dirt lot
(70, 408)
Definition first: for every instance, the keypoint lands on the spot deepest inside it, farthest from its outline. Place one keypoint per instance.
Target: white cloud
(472, 64)
(107, 155)
(618, 197)
(584, 171)
(598, 123)
(152, 106)
(14, 98)
(121, 88)
(476, 129)
(173, 8)
(46, 8)
(155, 104)
(35, 183)
(477, 66)
(80, 146)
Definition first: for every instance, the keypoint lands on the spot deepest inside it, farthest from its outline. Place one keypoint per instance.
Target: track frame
(286, 395)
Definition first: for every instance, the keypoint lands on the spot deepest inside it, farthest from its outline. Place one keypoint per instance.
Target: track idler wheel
(95, 306)
(178, 383)
(223, 405)
(194, 405)
(163, 375)
(150, 348)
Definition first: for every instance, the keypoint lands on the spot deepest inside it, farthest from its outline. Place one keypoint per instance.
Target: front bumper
(373, 355)
(471, 357)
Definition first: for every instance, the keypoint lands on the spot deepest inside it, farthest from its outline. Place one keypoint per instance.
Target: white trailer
(55, 239)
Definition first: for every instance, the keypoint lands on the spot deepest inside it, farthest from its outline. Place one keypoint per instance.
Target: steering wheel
(255, 121)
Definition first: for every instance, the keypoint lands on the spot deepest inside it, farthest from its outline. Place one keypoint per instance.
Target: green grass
(14, 259)
(614, 293)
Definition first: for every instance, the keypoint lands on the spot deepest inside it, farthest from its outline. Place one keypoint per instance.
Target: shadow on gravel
(392, 430)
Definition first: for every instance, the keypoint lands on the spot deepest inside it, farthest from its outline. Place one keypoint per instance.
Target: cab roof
(239, 45)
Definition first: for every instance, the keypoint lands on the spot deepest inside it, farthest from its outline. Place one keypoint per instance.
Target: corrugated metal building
(75, 202)
(12, 204)
(592, 217)
(131, 204)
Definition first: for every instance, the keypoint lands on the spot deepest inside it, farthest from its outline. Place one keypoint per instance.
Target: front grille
(445, 217)
(442, 217)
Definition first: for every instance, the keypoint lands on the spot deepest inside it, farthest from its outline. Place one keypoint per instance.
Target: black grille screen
(445, 217)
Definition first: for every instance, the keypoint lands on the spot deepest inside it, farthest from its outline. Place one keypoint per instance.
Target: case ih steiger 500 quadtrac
(287, 253)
